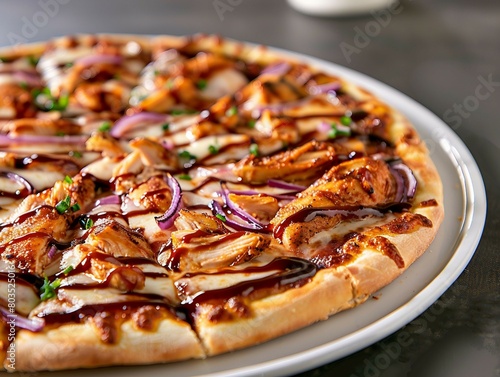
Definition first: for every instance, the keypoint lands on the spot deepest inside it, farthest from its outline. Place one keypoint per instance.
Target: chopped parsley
(345, 120)
(24, 85)
(184, 177)
(187, 155)
(233, 110)
(75, 154)
(339, 130)
(32, 60)
(254, 149)
(45, 101)
(105, 127)
(201, 84)
(165, 126)
(48, 289)
(68, 269)
(182, 111)
(221, 217)
(251, 123)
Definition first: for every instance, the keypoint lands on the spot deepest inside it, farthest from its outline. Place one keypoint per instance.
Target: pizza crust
(72, 346)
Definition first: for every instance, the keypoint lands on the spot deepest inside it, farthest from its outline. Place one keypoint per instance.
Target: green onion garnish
(68, 180)
(48, 289)
(233, 110)
(201, 84)
(105, 127)
(345, 120)
(254, 149)
(67, 270)
(184, 177)
(75, 207)
(187, 155)
(63, 205)
(221, 217)
(165, 126)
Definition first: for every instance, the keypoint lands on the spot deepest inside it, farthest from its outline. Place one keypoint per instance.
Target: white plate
(400, 302)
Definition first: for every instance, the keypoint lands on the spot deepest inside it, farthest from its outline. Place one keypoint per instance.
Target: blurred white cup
(338, 7)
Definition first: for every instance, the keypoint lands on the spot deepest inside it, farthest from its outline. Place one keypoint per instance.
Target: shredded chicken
(34, 126)
(104, 143)
(207, 251)
(302, 164)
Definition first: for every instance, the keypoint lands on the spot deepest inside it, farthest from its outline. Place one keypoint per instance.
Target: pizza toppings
(150, 183)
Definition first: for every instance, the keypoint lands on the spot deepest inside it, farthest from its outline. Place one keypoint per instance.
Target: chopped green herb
(182, 111)
(75, 207)
(48, 289)
(68, 180)
(254, 149)
(184, 177)
(24, 85)
(201, 84)
(345, 120)
(233, 110)
(169, 84)
(251, 123)
(156, 72)
(214, 149)
(69, 64)
(60, 133)
(67, 270)
(338, 131)
(63, 205)
(44, 100)
(32, 60)
(105, 127)
(165, 126)
(75, 154)
(187, 155)
(86, 223)
(221, 217)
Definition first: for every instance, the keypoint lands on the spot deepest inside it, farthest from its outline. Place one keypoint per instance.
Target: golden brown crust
(73, 346)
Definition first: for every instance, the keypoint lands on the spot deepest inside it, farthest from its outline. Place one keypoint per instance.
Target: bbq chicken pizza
(166, 198)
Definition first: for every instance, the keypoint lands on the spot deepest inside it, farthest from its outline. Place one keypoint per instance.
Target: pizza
(168, 198)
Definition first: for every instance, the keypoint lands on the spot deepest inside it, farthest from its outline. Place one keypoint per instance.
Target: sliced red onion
(111, 199)
(410, 179)
(7, 140)
(236, 209)
(285, 185)
(18, 179)
(99, 59)
(29, 78)
(167, 220)
(362, 212)
(324, 88)
(324, 127)
(129, 122)
(32, 324)
(217, 209)
(168, 144)
(52, 251)
(278, 69)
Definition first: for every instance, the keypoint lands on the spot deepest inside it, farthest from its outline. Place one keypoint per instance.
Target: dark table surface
(435, 51)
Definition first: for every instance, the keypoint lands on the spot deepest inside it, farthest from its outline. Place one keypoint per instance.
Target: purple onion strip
(128, 122)
(32, 324)
(167, 219)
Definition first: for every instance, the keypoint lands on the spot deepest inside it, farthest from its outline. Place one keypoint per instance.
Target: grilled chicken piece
(303, 164)
(80, 191)
(195, 250)
(191, 220)
(27, 243)
(110, 96)
(154, 154)
(16, 102)
(362, 182)
(34, 126)
(104, 143)
(118, 241)
(153, 195)
(262, 207)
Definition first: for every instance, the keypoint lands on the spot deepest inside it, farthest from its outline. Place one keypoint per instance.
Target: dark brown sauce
(292, 271)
